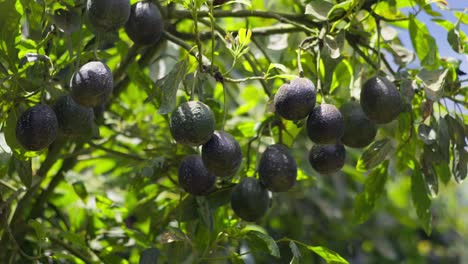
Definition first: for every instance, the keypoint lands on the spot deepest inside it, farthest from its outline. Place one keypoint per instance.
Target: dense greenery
(111, 183)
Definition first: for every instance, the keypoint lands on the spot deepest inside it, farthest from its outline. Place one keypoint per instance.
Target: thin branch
(117, 153)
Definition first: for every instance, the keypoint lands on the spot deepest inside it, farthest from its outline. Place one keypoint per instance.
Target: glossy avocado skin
(380, 100)
(294, 101)
(145, 25)
(107, 15)
(250, 200)
(359, 131)
(37, 127)
(277, 168)
(194, 178)
(325, 124)
(92, 85)
(327, 159)
(222, 154)
(74, 120)
(192, 123)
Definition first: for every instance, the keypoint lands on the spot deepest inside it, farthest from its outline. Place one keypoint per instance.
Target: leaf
(24, 170)
(457, 132)
(421, 199)
(170, 86)
(373, 188)
(332, 47)
(443, 139)
(39, 229)
(295, 251)
(149, 256)
(204, 212)
(430, 177)
(339, 9)
(266, 240)
(453, 38)
(427, 134)
(462, 17)
(433, 82)
(424, 44)
(319, 9)
(173, 234)
(460, 164)
(328, 255)
(443, 172)
(374, 154)
(80, 190)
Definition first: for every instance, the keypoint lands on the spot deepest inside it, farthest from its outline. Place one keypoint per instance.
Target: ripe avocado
(192, 123)
(145, 25)
(296, 100)
(325, 124)
(277, 168)
(359, 131)
(380, 100)
(74, 120)
(250, 200)
(327, 159)
(107, 15)
(194, 178)
(92, 85)
(222, 154)
(37, 127)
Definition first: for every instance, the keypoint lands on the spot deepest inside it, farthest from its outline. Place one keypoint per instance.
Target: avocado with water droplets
(294, 101)
(222, 154)
(37, 127)
(359, 131)
(250, 200)
(194, 178)
(107, 15)
(380, 100)
(325, 124)
(327, 159)
(277, 168)
(74, 120)
(145, 25)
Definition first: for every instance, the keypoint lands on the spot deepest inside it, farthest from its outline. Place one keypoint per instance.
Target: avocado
(325, 124)
(92, 85)
(107, 15)
(296, 100)
(359, 131)
(277, 168)
(327, 159)
(222, 154)
(74, 120)
(194, 178)
(37, 127)
(192, 123)
(145, 25)
(250, 200)
(380, 100)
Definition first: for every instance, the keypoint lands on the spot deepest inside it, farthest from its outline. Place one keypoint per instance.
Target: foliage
(115, 198)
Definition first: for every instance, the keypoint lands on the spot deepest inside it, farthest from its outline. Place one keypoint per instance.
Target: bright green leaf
(266, 240)
(424, 44)
(328, 255)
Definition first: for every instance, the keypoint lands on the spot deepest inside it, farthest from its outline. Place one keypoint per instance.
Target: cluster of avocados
(91, 86)
(193, 123)
(330, 128)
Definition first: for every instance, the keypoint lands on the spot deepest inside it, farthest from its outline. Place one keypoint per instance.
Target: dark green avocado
(74, 120)
(359, 131)
(92, 85)
(192, 123)
(194, 178)
(380, 100)
(222, 154)
(145, 25)
(250, 200)
(37, 127)
(294, 101)
(107, 15)
(325, 124)
(327, 159)
(277, 168)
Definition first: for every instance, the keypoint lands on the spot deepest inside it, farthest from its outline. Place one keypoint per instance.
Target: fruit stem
(299, 54)
(225, 105)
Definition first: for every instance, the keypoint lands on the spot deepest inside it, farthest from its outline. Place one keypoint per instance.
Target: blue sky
(440, 34)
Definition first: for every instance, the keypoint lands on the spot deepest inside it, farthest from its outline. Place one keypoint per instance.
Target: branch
(117, 153)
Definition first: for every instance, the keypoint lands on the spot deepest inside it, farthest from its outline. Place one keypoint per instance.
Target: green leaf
(39, 229)
(453, 38)
(170, 85)
(443, 139)
(424, 44)
(430, 176)
(460, 164)
(24, 170)
(462, 17)
(420, 198)
(427, 134)
(149, 256)
(433, 82)
(373, 188)
(204, 212)
(319, 9)
(339, 9)
(374, 154)
(328, 255)
(80, 190)
(295, 251)
(457, 132)
(255, 236)
(443, 172)
(332, 47)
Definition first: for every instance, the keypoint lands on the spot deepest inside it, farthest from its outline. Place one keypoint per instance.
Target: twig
(117, 153)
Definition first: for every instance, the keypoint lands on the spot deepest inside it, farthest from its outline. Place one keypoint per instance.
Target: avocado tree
(200, 131)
